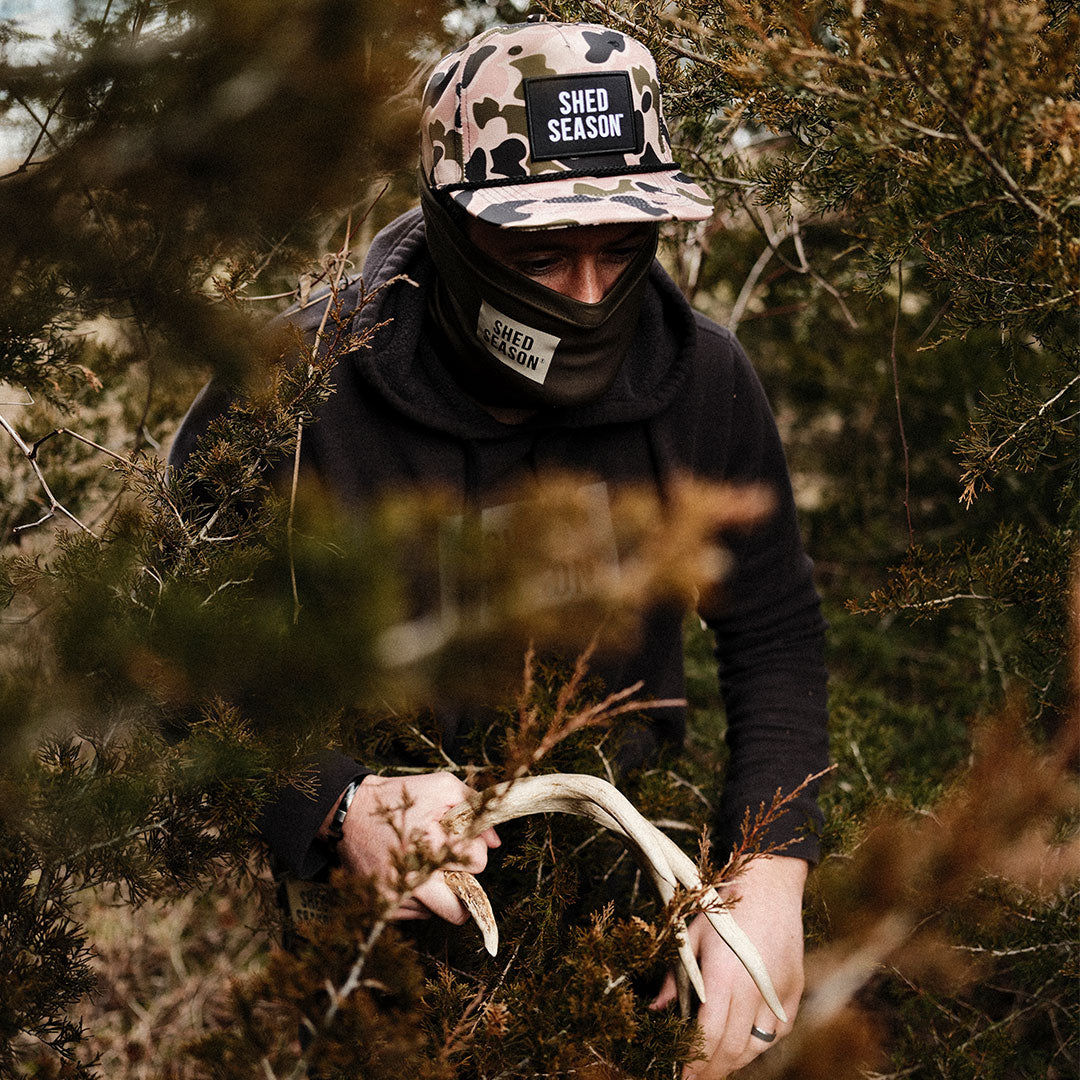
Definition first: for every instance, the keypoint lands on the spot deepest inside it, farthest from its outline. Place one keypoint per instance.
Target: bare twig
(79, 438)
(289, 532)
(748, 287)
(944, 601)
(55, 506)
(338, 996)
(338, 269)
(774, 239)
(899, 411)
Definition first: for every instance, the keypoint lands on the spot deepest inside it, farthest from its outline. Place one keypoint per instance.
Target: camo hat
(549, 124)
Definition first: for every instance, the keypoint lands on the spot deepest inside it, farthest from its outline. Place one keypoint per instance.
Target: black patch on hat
(507, 158)
(581, 115)
(649, 157)
(437, 85)
(476, 166)
(472, 65)
(590, 164)
(601, 46)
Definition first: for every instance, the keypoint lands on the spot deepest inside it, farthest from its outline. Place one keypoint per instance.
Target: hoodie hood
(401, 363)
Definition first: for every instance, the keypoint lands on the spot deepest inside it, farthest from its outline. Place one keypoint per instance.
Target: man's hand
(390, 814)
(770, 911)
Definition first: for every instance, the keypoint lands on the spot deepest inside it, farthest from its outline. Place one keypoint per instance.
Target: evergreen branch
(983, 151)
(674, 46)
(561, 726)
(872, 73)
(121, 273)
(754, 827)
(338, 266)
(942, 601)
(1032, 419)
(353, 982)
(131, 834)
(1054, 301)
(976, 469)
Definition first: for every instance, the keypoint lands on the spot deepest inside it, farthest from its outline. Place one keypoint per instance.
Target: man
(544, 336)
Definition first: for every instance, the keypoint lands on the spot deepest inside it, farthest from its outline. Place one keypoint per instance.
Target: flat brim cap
(588, 201)
(546, 125)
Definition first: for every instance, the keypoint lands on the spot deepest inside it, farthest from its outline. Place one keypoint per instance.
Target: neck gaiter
(510, 341)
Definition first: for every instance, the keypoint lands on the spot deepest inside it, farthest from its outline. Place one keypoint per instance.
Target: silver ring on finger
(764, 1036)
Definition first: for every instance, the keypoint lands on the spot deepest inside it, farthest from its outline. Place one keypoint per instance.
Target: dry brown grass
(165, 971)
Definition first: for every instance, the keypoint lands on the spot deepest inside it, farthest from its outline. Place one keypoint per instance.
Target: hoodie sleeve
(288, 824)
(769, 636)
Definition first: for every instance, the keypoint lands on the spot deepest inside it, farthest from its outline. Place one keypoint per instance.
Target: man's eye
(624, 254)
(537, 265)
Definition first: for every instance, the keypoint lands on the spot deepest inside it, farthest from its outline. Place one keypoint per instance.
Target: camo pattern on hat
(551, 124)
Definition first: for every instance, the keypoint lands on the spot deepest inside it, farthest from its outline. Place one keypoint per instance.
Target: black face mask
(513, 342)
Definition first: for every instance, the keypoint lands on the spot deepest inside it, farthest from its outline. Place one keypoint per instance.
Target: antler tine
(724, 924)
(471, 893)
(666, 863)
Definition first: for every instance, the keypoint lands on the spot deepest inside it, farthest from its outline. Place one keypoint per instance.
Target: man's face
(582, 262)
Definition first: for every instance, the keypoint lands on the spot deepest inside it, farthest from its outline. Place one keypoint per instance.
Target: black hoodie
(686, 400)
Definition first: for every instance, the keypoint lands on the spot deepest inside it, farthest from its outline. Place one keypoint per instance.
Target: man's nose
(587, 282)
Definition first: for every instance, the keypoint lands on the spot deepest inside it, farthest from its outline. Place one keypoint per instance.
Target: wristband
(336, 828)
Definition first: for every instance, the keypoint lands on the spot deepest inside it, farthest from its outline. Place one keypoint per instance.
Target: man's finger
(713, 1018)
(435, 895)
(763, 1032)
(737, 1046)
(410, 909)
(472, 856)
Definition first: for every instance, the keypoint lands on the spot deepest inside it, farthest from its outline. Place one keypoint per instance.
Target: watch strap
(335, 830)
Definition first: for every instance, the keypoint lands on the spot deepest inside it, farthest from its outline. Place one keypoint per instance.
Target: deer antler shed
(667, 864)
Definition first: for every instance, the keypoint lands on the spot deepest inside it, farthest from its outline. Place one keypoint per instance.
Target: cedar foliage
(922, 151)
(896, 181)
(898, 246)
